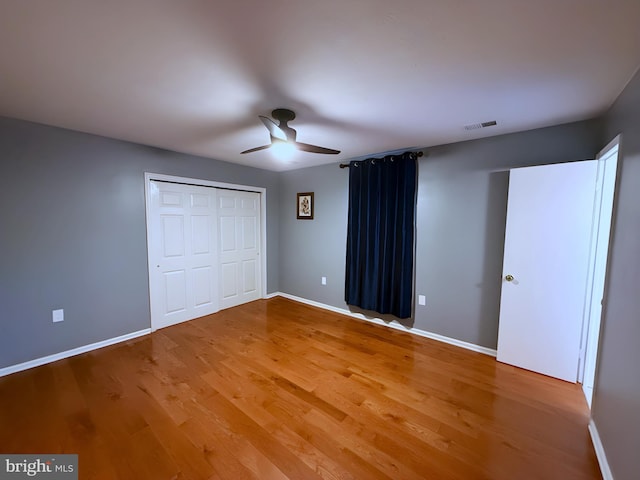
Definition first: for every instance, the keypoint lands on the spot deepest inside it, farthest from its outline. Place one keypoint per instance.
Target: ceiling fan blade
(256, 149)
(305, 147)
(274, 130)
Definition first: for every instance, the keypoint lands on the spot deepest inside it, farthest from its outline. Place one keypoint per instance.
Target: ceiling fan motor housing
(283, 114)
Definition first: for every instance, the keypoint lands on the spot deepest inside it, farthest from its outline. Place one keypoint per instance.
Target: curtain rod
(418, 154)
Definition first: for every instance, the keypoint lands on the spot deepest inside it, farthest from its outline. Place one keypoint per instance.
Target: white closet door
(183, 253)
(239, 247)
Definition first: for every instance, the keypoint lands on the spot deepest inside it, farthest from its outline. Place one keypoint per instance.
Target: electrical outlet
(57, 315)
(324, 280)
(422, 300)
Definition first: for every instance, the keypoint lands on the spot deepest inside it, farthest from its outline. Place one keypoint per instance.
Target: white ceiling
(363, 76)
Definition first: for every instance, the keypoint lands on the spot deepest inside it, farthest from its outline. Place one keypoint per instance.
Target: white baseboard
(393, 324)
(602, 457)
(70, 353)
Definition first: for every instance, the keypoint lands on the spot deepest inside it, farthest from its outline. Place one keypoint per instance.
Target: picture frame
(304, 206)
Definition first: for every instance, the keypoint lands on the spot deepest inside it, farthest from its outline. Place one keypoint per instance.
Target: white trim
(608, 166)
(263, 239)
(615, 143)
(602, 457)
(70, 353)
(394, 324)
(148, 176)
(272, 295)
(588, 394)
(200, 182)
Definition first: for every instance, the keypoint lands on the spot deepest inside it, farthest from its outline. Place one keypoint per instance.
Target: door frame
(592, 326)
(148, 177)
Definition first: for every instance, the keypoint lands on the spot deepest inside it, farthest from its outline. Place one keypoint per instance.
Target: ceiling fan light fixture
(283, 150)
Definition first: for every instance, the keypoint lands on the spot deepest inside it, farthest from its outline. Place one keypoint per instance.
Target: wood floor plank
(279, 390)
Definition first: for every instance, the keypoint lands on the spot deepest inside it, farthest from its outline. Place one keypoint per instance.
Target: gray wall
(616, 404)
(462, 195)
(72, 234)
(311, 249)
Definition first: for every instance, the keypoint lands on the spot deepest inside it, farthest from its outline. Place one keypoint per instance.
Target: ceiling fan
(283, 133)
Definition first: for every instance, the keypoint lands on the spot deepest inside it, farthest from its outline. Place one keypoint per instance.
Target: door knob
(508, 278)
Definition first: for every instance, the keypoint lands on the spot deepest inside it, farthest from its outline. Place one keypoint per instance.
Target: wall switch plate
(324, 280)
(57, 315)
(422, 300)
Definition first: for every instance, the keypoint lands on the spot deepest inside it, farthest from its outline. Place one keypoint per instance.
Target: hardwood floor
(279, 390)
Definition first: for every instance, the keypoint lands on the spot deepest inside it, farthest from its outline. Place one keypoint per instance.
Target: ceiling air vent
(475, 126)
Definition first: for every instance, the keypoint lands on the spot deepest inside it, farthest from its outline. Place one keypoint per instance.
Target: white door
(239, 247)
(182, 253)
(546, 255)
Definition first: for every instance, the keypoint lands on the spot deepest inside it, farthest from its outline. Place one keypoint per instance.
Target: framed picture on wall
(305, 206)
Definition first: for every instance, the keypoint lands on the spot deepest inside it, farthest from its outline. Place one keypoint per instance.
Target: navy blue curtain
(380, 232)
